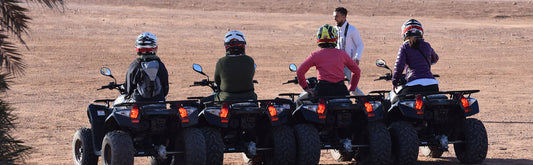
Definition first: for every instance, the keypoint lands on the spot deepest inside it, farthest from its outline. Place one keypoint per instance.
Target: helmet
(234, 38)
(234, 42)
(412, 28)
(146, 43)
(327, 34)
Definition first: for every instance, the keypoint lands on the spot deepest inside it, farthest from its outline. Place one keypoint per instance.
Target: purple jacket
(413, 61)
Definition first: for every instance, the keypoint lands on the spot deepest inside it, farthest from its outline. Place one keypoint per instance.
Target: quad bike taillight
(183, 114)
(134, 114)
(419, 104)
(369, 109)
(224, 113)
(273, 113)
(321, 109)
(466, 104)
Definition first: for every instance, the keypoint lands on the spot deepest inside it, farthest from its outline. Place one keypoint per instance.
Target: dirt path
(483, 45)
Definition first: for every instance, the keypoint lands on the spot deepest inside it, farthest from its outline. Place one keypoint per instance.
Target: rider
(234, 72)
(417, 56)
(146, 47)
(330, 63)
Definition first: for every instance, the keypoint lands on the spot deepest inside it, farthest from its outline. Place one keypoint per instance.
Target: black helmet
(412, 28)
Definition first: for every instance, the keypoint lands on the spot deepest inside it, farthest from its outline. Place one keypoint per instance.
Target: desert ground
(482, 44)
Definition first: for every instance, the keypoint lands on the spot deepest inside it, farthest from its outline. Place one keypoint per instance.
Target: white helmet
(234, 38)
(146, 43)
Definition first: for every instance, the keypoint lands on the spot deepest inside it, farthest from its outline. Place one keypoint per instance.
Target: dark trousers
(419, 88)
(325, 88)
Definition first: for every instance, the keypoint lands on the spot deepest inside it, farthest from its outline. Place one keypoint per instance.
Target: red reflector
(321, 107)
(224, 111)
(183, 112)
(273, 113)
(369, 109)
(466, 104)
(134, 112)
(418, 105)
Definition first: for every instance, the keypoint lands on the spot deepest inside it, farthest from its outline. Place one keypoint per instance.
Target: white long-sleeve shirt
(353, 45)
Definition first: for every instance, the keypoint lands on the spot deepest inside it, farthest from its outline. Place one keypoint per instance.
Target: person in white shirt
(349, 41)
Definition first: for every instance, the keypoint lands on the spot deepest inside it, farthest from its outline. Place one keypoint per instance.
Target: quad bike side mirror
(107, 72)
(292, 67)
(198, 68)
(382, 64)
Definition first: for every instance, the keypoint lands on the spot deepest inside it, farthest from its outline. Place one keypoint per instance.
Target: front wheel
(82, 147)
(404, 143)
(117, 149)
(308, 144)
(475, 146)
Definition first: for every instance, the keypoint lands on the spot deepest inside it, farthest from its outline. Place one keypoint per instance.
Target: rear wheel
(379, 145)
(117, 149)
(194, 147)
(431, 151)
(308, 144)
(283, 147)
(82, 147)
(214, 145)
(404, 143)
(474, 148)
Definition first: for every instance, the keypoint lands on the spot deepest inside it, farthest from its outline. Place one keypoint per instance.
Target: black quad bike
(432, 120)
(255, 127)
(351, 126)
(165, 131)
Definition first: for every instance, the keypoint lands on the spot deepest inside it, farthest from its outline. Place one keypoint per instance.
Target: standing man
(349, 41)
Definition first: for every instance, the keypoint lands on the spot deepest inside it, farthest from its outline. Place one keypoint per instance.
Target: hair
(235, 50)
(341, 10)
(327, 45)
(413, 41)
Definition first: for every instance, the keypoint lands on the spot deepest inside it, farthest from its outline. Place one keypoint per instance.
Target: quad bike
(166, 131)
(432, 120)
(351, 126)
(255, 127)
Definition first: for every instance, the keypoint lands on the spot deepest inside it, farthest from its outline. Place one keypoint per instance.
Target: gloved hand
(310, 91)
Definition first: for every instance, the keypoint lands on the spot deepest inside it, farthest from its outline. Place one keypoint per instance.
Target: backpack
(150, 85)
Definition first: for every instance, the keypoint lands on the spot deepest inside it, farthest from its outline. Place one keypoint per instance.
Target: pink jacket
(330, 66)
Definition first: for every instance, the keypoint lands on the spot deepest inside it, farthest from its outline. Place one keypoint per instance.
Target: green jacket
(234, 76)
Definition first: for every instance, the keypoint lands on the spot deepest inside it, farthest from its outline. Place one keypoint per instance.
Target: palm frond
(10, 59)
(13, 18)
(49, 3)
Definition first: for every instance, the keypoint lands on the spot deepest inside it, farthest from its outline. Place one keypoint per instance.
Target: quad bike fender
(120, 119)
(280, 119)
(406, 111)
(378, 114)
(284, 108)
(190, 120)
(307, 115)
(97, 114)
(213, 119)
(473, 109)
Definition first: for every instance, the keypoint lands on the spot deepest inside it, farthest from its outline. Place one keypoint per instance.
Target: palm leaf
(10, 59)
